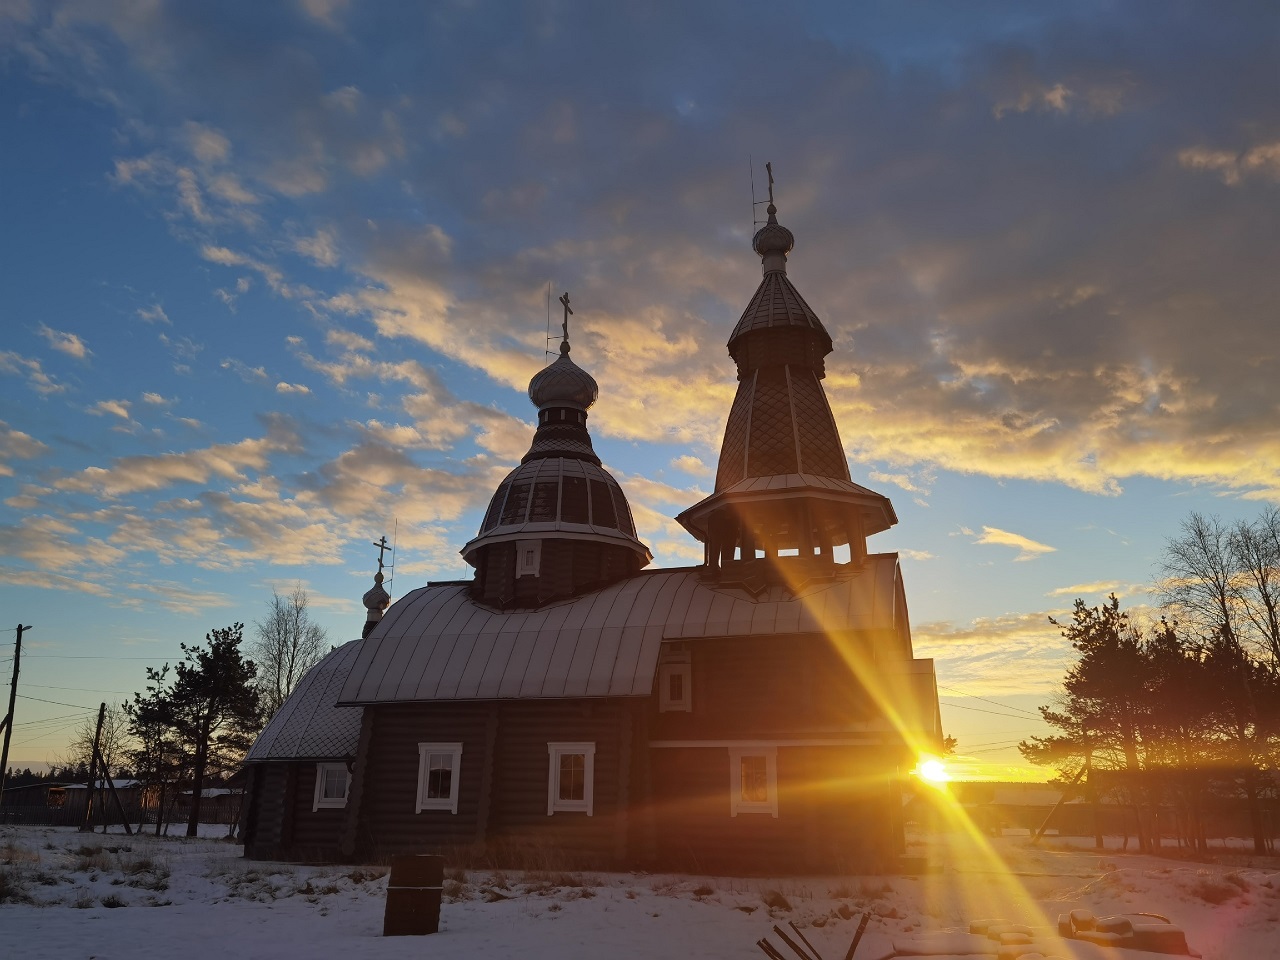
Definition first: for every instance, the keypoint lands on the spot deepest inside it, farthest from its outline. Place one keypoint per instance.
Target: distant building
(758, 711)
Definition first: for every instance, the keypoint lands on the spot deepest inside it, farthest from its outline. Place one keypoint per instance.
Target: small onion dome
(377, 598)
(773, 242)
(563, 384)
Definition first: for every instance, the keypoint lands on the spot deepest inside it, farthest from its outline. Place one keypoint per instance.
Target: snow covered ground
(69, 895)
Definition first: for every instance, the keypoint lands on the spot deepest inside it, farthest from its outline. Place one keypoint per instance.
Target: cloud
(227, 461)
(1027, 549)
(917, 554)
(1101, 588)
(116, 408)
(154, 314)
(39, 381)
(16, 445)
(245, 372)
(156, 400)
(321, 248)
(63, 342)
(692, 465)
(283, 387)
(1012, 653)
(1261, 160)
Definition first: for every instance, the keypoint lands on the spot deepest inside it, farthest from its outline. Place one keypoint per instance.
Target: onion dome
(559, 524)
(773, 242)
(377, 598)
(375, 602)
(563, 383)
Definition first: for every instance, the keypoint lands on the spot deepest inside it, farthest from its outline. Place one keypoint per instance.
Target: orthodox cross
(769, 169)
(383, 547)
(567, 314)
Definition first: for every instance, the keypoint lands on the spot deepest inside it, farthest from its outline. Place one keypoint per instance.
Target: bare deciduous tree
(1255, 548)
(1198, 572)
(113, 746)
(287, 644)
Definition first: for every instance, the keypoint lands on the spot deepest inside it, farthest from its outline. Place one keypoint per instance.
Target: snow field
(67, 894)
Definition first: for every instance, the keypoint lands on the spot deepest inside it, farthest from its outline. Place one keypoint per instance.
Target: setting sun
(932, 770)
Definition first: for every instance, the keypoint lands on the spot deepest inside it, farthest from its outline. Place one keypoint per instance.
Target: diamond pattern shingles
(602, 644)
(733, 450)
(771, 444)
(310, 725)
(820, 450)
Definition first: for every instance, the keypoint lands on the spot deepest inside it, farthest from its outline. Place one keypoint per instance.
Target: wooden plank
(488, 760)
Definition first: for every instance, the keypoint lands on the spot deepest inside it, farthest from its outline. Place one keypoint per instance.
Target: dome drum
(778, 348)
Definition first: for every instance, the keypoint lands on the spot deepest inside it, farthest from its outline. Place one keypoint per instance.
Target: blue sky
(275, 281)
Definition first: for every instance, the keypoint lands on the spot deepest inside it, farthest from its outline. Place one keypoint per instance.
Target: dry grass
(1213, 890)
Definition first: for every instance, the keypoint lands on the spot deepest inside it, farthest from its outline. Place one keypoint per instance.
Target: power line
(961, 706)
(46, 733)
(45, 686)
(997, 703)
(74, 656)
(64, 716)
(56, 703)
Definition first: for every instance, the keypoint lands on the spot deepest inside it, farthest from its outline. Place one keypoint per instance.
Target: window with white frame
(439, 770)
(753, 780)
(675, 687)
(570, 778)
(528, 557)
(332, 783)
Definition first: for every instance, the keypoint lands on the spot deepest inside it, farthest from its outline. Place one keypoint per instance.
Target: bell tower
(784, 505)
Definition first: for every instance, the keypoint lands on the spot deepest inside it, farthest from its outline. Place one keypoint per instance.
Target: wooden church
(758, 712)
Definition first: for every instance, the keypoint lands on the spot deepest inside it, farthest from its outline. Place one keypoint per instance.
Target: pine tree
(207, 715)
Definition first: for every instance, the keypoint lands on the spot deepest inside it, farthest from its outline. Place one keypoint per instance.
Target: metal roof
(877, 510)
(310, 725)
(438, 644)
(777, 303)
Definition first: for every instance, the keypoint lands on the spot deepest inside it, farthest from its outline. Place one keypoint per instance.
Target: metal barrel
(413, 896)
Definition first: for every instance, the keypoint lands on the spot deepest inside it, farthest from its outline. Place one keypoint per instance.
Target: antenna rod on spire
(769, 169)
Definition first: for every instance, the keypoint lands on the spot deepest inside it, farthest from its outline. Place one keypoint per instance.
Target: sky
(275, 278)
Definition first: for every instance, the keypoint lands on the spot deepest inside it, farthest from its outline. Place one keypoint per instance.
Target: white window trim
(587, 803)
(665, 673)
(450, 802)
(528, 567)
(736, 804)
(321, 802)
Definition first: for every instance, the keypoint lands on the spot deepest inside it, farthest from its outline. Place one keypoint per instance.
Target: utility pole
(87, 826)
(7, 723)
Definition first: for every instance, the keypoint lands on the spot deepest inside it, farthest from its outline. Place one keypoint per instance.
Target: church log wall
(504, 748)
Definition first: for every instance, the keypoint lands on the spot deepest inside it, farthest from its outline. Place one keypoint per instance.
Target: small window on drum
(545, 495)
(573, 500)
(517, 504)
(624, 512)
(495, 507)
(602, 514)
